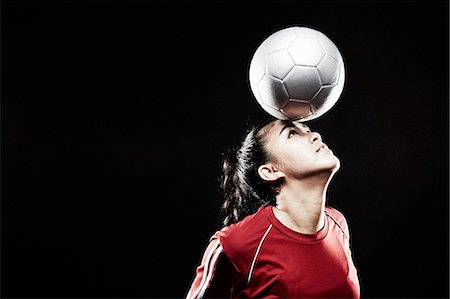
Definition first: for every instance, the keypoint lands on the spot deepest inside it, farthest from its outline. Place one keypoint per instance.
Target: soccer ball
(297, 73)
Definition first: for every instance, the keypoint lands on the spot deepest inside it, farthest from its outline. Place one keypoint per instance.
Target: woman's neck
(301, 204)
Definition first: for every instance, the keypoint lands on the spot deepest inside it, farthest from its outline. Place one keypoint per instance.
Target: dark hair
(243, 190)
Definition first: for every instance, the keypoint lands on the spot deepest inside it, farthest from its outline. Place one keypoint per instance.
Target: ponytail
(243, 190)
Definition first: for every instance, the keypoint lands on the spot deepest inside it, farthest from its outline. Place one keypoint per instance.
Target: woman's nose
(314, 137)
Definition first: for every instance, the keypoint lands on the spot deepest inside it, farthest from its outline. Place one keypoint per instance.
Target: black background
(115, 116)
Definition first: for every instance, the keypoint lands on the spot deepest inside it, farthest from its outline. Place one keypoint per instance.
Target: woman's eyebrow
(286, 126)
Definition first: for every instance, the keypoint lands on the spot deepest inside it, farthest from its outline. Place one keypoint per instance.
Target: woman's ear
(268, 172)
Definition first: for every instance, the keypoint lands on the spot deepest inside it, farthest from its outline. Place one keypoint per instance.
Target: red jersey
(259, 257)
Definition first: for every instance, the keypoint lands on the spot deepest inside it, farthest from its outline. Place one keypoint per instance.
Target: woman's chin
(336, 165)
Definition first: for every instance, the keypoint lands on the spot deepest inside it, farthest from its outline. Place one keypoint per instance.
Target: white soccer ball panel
(274, 112)
(328, 70)
(309, 117)
(279, 64)
(325, 99)
(279, 40)
(258, 66)
(302, 83)
(306, 32)
(254, 88)
(341, 74)
(306, 51)
(272, 92)
(296, 110)
(329, 46)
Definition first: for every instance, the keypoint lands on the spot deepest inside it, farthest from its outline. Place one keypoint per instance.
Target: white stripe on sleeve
(211, 270)
(203, 270)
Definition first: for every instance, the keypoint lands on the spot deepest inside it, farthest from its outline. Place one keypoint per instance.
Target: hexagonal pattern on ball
(328, 70)
(306, 51)
(296, 110)
(329, 46)
(279, 40)
(302, 83)
(274, 112)
(272, 92)
(279, 64)
(325, 99)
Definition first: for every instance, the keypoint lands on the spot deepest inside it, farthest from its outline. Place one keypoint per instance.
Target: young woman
(279, 239)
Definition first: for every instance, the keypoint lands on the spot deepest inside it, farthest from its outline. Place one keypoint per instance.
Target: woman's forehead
(279, 124)
(274, 128)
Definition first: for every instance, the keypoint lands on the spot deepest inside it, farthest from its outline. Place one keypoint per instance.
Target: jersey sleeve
(214, 276)
(341, 221)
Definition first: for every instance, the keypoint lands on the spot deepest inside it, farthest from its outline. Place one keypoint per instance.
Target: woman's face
(298, 152)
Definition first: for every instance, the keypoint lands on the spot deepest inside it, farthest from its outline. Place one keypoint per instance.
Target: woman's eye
(291, 132)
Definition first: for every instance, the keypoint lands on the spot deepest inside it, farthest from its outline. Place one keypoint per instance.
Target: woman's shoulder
(244, 235)
(240, 240)
(338, 217)
(334, 212)
(246, 227)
